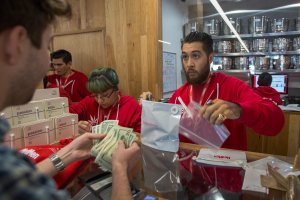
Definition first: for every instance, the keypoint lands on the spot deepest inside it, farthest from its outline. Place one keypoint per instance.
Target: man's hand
(218, 111)
(146, 96)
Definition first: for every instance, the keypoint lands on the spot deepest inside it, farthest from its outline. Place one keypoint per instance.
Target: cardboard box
(14, 138)
(39, 133)
(29, 112)
(56, 106)
(48, 93)
(66, 126)
(7, 114)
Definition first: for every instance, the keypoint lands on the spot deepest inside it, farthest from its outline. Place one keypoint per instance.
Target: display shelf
(261, 35)
(273, 53)
(271, 71)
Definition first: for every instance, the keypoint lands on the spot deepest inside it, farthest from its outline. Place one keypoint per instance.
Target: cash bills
(104, 149)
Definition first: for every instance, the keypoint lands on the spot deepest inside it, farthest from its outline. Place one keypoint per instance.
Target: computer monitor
(279, 82)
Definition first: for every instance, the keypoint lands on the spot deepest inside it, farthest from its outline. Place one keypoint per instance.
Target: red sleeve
(131, 113)
(262, 115)
(80, 108)
(173, 97)
(136, 118)
(83, 90)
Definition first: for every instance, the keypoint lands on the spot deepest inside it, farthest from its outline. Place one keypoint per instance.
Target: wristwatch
(57, 162)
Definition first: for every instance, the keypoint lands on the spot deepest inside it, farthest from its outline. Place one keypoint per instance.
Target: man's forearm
(120, 184)
(47, 167)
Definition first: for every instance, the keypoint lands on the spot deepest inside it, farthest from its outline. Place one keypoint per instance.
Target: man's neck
(67, 74)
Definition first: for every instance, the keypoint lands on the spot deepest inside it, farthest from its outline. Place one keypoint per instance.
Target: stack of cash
(104, 149)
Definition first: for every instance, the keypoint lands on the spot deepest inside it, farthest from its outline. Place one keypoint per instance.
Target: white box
(56, 106)
(66, 126)
(48, 93)
(14, 138)
(7, 114)
(39, 133)
(29, 112)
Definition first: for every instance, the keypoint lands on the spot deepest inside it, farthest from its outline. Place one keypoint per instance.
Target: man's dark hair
(264, 79)
(61, 53)
(202, 37)
(33, 15)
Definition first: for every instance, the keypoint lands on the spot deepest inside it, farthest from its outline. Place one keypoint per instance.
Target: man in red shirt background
(66, 78)
(265, 90)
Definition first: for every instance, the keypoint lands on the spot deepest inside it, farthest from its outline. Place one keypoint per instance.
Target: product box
(56, 106)
(7, 114)
(39, 132)
(48, 93)
(66, 126)
(29, 112)
(14, 138)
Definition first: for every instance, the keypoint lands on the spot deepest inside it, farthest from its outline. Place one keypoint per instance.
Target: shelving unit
(261, 35)
(268, 57)
(274, 53)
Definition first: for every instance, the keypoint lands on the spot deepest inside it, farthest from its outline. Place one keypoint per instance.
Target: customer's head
(197, 54)
(103, 83)
(25, 34)
(264, 79)
(61, 61)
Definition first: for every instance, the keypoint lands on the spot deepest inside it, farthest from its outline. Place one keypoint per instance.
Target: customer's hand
(84, 126)
(80, 148)
(125, 158)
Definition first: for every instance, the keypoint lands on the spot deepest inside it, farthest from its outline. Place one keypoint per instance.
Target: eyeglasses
(195, 55)
(103, 97)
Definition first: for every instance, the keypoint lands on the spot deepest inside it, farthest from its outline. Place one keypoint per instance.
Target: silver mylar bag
(160, 125)
(160, 142)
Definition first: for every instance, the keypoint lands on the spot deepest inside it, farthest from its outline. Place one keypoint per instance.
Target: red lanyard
(203, 91)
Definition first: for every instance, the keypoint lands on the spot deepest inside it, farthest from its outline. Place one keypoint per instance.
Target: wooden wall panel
(132, 32)
(83, 35)
(73, 24)
(129, 43)
(95, 13)
(87, 49)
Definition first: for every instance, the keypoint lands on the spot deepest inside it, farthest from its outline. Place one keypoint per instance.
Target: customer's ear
(16, 44)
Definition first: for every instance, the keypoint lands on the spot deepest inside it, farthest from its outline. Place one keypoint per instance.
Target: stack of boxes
(44, 120)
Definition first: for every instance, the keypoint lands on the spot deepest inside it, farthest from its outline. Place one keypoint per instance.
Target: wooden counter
(76, 185)
(286, 143)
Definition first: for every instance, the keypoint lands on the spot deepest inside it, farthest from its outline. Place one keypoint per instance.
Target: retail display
(40, 122)
(273, 43)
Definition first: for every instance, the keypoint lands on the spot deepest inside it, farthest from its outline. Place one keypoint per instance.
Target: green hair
(102, 79)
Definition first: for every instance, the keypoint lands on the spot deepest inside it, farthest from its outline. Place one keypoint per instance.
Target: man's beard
(201, 76)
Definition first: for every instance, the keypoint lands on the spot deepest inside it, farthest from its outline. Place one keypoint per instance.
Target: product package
(160, 142)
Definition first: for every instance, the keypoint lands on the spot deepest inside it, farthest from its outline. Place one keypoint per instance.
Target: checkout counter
(142, 193)
(286, 143)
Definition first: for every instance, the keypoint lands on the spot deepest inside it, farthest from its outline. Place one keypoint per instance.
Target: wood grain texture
(132, 32)
(286, 143)
(87, 49)
(127, 41)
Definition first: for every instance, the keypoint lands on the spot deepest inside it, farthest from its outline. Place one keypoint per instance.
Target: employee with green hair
(106, 103)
